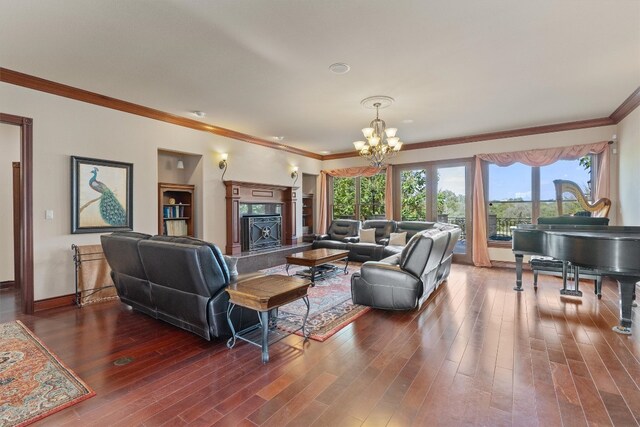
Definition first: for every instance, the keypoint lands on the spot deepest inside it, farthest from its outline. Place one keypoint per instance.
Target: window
(518, 193)
(510, 201)
(372, 191)
(572, 170)
(413, 202)
(362, 198)
(344, 198)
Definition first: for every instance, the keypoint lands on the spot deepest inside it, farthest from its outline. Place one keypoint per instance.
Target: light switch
(48, 214)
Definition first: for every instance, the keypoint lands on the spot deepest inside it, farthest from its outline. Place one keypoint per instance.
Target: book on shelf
(176, 228)
(173, 211)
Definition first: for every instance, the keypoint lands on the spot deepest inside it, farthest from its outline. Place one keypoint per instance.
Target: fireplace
(259, 200)
(261, 232)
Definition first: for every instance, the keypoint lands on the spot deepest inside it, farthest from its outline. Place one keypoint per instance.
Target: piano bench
(553, 267)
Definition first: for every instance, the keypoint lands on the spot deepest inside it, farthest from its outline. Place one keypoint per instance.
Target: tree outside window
(413, 191)
(366, 203)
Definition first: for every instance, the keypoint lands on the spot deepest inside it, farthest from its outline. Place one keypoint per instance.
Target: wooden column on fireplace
(239, 192)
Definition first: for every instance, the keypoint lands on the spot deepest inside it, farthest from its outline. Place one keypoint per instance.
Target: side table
(265, 294)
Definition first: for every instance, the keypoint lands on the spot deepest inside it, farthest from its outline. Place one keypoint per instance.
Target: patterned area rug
(33, 382)
(330, 300)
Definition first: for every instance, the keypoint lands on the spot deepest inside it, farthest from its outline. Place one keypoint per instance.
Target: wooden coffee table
(265, 294)
(318, 262)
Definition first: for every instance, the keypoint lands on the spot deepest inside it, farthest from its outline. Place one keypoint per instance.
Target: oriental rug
(331, 306)
(33, 382)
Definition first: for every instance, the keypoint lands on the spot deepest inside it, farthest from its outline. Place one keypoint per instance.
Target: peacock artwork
(102, 195)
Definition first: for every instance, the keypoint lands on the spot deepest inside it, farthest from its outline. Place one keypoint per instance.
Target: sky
(515, 181)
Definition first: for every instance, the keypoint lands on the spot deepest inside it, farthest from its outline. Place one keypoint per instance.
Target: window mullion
(535, 194)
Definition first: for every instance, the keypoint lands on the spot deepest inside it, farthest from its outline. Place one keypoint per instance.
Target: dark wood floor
(478, 353)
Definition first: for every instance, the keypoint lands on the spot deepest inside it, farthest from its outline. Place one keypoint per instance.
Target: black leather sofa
(344, 234)
(180, 280)
(405, 280)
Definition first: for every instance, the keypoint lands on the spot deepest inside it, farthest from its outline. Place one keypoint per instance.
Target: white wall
(64, 127)
(548, 140)
(10, 149)
(629, 158)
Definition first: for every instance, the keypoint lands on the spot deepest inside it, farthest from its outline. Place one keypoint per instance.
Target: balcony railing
(500, 228)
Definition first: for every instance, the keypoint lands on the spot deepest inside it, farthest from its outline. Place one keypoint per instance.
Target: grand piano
(610, 251)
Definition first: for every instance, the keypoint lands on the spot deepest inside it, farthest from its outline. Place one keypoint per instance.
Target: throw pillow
(232, 265)
(367, 235)
(398, 239)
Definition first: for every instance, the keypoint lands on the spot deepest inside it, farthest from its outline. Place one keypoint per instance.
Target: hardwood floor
(478, 353)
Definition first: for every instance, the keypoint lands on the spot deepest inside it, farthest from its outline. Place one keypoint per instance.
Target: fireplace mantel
(238, 192)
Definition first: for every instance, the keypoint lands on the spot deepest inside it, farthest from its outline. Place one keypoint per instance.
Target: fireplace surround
(239, 192)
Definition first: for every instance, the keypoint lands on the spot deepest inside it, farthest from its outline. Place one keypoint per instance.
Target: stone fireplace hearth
(247, 193)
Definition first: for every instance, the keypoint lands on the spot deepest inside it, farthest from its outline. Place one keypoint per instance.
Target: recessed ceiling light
(199, 114)
(339, 68)
(407, 121)
(325, 152)
(278, 138)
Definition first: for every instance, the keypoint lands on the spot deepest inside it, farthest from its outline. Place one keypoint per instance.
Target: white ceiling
(261, 67)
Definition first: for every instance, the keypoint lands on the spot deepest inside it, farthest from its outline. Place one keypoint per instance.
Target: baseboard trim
(7, 284)
(509, 264)
(55, 302)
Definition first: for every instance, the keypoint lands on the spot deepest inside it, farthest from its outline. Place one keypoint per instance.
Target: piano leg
(627, 289)
(575, 292)
(518, 286)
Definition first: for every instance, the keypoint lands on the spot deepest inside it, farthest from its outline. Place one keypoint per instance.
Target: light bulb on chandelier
(381, 142)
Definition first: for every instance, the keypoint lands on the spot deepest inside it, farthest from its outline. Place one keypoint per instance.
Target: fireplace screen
(261, 232)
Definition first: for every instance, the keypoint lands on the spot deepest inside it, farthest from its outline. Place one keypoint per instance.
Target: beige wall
(63, 127)
(10, 149)
(629, 158)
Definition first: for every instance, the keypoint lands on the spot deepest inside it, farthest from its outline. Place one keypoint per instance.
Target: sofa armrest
(351, 239)
(320, 237)
(383, 273)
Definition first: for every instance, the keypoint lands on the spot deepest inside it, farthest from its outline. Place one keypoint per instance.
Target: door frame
(431, 168)
(26, 205)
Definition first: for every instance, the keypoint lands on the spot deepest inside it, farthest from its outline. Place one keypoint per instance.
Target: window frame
(357, 201)
(535, 195)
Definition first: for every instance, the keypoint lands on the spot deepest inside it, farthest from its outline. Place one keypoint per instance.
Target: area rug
(331, 306)
(33, 382)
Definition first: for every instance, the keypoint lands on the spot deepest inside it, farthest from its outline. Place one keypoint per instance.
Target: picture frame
(101, 195)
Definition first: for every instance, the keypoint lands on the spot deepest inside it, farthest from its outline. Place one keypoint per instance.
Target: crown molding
(48, 86)
(629, 104)
(43, 85)
(559, 127)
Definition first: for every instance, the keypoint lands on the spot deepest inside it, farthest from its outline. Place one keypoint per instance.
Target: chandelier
(381, 142)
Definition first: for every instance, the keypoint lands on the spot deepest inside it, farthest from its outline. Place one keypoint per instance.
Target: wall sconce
(223, 164)
(294, 174)
(180, 164)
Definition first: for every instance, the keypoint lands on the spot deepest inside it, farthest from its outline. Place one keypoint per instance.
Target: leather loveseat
(405, 280)
(180, 280)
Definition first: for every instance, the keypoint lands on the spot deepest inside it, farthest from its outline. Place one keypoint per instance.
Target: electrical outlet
(48, 214)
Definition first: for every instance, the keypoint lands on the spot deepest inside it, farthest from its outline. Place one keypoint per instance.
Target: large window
(362, 198)
(344, 198)
(413, 195)
(518, 193)
(510, 201)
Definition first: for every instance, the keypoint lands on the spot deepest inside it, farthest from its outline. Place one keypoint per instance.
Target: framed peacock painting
(101, 195)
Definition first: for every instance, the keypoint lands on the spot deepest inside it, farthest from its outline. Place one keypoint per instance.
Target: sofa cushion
(368, 235)
(398, 239)
(382, 229)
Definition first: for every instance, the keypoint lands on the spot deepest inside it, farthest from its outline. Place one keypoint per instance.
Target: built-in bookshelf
(175, 209)
(307, 217)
